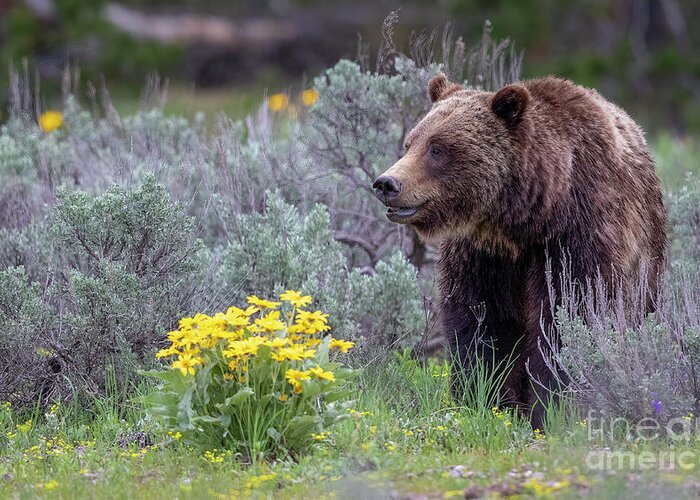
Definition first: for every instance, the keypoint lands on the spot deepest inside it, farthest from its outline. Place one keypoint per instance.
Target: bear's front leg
(544, 381)
(487, 355)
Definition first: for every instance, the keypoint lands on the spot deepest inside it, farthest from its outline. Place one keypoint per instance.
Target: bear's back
(614, 196)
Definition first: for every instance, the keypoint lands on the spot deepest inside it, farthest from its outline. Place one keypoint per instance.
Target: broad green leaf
(240, 396)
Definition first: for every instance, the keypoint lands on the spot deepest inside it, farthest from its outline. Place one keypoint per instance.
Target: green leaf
(242, 394)
(184, 408)
(322, 351)
(207, 419)
(274, 434)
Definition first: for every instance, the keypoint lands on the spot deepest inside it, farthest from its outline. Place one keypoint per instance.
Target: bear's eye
(435, 150)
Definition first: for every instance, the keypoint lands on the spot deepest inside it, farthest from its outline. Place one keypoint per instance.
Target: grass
(186, 101)
(405, 437)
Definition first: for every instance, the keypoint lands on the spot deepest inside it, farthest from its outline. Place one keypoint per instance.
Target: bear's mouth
(400, 214)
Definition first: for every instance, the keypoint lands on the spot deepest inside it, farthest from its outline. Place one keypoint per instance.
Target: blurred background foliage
(221, 55)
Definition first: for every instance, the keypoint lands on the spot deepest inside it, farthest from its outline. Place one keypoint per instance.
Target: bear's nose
(386, 187)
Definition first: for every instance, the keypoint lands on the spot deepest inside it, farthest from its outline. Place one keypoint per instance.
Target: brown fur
(541, 167)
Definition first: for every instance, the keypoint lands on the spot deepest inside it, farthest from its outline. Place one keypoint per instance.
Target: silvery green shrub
(619, 360)
(283, 248)
(121, 268)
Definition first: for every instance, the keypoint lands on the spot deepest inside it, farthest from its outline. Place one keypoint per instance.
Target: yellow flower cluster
(214, 456)
(53, 447)
(501, 415)
(545, 489)
(289, 332)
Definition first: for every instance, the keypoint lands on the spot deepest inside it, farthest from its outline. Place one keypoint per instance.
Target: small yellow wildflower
(342, 345)
(51, 485)
(278, 102)
(262, 303)
(538, 435)
(277, 342)
(359, 414)
(50, 121)
(244, 348)
(270, 323)
(295, 298)
(24, 428)
(167, 352)
(295, 377)
(186, 363)
(255, 481)
(322, 374)
(213, 457)
(175, 435)
(540, 488)
(294, 352)
(321, 436)
(309, 97)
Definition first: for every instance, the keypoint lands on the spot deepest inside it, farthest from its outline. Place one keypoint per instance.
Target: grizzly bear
(507, 183)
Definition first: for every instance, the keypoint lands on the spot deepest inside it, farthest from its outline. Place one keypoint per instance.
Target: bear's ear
(440, 87)
(510, 103)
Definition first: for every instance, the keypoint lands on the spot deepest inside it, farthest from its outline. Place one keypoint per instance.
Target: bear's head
(457, 160)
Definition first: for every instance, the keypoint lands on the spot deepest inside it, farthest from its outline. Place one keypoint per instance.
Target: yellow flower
(270, 323)
(309, 97)
(278, 102)
(175, 435)
(261, 303)
(322, 374)
(238, 318)
(51, 485)
(321, 436)
(293, 353)
(214, 457)
(312, 322)
(293, 330)
(277, 342)
(295, 298)
(24, 428)
(312, 342)
(540, 488)
(186, 363)
(50, 121)
(244, 348)
(295, 377)
(165, 353)
(341, 345)
(310, 317)
(255, 481)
